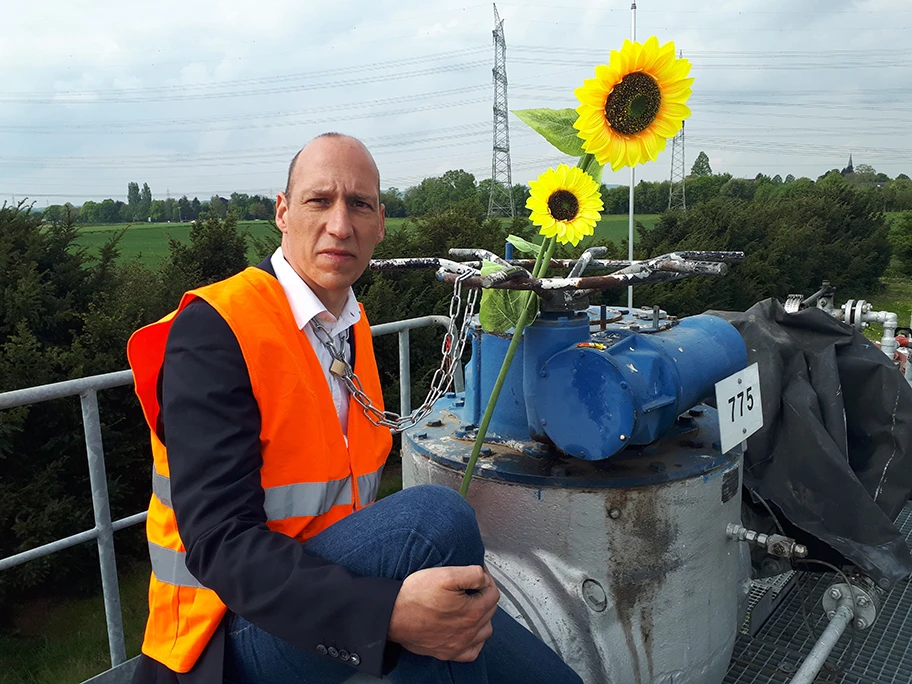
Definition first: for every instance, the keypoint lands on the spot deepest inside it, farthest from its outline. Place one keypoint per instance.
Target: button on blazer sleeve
(211, 427)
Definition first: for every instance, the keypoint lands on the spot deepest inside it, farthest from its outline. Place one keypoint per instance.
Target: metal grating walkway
(881, 654)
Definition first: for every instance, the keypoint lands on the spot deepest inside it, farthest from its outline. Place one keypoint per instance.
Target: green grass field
(149, 241)
(65, 641)
(896, 297)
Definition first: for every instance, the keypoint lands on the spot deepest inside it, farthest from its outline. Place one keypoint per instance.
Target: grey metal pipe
(67, 542)
(100, 504)
(408, 324)
(405, 375)
(47, 549)
(585, 259)
(67, 388)
(824, 646)
(129, 521)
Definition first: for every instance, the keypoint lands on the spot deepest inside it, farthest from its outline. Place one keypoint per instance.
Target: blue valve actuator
(594, 396)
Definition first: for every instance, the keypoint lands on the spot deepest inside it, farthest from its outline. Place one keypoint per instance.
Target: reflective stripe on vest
(368, 486)
(296, 500)
(161, 487)
(288, 501)
(170, 567)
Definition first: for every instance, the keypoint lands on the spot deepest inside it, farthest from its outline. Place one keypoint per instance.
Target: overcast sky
(200, 97)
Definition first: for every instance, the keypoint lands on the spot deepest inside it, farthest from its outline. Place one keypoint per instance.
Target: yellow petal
(617, 151)
(666, 127)
(591, 97)
(681, 83)
(634, 151)
(676, 110)
(647, 53)
(678, 70)
(661, 63)
(608, 76)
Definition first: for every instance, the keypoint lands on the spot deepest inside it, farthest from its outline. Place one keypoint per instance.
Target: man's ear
(281, 213)
(382, 233)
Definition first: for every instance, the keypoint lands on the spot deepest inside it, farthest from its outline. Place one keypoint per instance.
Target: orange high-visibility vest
(304, 495)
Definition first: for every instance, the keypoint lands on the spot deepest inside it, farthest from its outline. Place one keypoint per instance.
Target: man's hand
(434, 616)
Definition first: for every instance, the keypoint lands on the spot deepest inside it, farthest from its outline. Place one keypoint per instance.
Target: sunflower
(634, 104)
(566, 203)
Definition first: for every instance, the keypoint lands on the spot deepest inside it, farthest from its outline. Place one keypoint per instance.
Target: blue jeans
(417, 528)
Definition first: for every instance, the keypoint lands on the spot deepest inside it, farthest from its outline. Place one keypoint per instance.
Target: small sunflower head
(634, 104)
(565, 203)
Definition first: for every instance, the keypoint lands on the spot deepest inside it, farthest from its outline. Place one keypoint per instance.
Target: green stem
(542, 261)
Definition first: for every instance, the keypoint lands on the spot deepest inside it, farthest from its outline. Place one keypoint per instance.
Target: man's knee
(444, 517)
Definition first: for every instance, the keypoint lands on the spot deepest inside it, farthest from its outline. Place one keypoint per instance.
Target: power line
(201, 94)
(209, 120)
(265, 80)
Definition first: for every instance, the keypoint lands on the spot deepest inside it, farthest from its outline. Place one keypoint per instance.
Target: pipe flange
(853, 312)
(864, 594)
(861, 308)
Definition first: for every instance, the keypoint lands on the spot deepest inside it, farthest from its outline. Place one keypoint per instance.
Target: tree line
(460, 188)
(141, 207)
(702, 185)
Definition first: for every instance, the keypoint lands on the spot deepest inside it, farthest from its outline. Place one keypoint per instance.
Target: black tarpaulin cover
(834, 455)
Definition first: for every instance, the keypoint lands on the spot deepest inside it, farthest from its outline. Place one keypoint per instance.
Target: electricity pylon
(676, 196)
(500, 201)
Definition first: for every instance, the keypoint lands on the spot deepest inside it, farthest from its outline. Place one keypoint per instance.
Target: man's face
(332, 219)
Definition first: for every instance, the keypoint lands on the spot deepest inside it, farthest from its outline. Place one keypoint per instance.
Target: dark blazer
(210, 424)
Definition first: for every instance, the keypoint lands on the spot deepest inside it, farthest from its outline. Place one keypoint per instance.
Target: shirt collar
(305, 305)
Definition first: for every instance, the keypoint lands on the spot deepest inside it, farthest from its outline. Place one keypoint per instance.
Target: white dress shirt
(305, 305)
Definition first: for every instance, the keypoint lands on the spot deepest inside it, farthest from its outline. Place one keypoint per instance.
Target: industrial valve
(774, 544)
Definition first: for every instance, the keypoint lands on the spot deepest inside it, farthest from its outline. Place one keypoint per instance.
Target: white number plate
(740, 410)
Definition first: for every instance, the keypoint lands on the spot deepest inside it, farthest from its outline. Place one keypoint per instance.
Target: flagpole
(633, 37)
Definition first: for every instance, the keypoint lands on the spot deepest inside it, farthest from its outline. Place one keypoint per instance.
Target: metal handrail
(87, 389)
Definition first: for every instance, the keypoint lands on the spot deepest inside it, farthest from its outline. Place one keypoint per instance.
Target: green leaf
(500, 309)
(588, 164)
(556, 126)
(523, 245)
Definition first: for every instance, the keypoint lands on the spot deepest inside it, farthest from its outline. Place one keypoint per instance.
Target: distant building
(850, 168)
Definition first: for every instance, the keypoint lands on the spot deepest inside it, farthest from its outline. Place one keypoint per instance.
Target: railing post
(91, 423)
(405, 374)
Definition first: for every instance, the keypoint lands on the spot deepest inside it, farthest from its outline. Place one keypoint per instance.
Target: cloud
(217, 99)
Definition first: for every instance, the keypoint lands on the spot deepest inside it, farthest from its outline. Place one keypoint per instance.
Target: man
(269, 563)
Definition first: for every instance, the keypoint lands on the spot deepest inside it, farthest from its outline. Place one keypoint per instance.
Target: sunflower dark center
(633, 104)
(563, 205)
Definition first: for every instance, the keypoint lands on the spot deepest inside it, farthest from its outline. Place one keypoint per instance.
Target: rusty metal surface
(724, 257)
(663, 268)
(419, 263)
(608, 282)
(630, 584)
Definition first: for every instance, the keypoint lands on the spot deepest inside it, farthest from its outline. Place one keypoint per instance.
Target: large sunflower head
(634, 104)
(566, 203)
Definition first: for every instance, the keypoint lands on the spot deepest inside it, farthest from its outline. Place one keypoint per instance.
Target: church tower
(849, 169)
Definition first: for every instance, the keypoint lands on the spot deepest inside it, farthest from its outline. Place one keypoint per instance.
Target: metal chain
(451, 356)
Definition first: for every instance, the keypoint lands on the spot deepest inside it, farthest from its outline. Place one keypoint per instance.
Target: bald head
(304, 156)
(331, 216)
